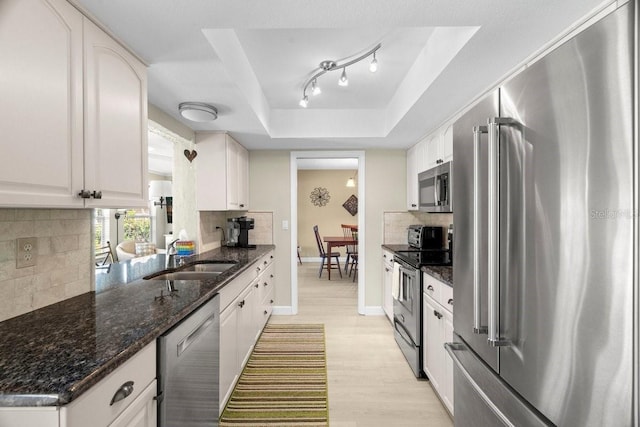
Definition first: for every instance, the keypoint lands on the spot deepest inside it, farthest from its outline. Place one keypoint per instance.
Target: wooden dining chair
(354, 254)
(324, 265)
(346, 231)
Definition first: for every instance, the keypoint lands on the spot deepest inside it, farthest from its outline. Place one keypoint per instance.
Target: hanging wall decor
(190, 154)
(351, 205)
(319, 196)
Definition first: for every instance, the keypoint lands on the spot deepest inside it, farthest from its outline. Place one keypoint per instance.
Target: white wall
(385, 191)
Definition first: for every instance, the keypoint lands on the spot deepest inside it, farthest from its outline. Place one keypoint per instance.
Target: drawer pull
(266, 284)
(430, 288)
(266, 312)
(241, 304)
(450, 302)
(271, 302)
(256, 285)
(125, 390)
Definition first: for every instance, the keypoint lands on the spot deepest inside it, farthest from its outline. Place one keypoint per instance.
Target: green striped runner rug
(284, 382)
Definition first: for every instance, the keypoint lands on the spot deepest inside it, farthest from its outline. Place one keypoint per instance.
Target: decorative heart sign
(190, 155)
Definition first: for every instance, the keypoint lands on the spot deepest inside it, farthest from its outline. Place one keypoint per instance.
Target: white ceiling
(250, 59)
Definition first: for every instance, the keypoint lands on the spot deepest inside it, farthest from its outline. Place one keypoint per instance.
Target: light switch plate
(26, 252)
(285, 224)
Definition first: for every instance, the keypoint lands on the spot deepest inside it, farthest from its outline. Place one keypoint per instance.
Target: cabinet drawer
(431, 286)
(94, 406)
(446, 297)
(266, 281)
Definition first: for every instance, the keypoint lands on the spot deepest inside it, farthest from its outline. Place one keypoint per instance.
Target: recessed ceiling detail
(414, 58)
(436, 57)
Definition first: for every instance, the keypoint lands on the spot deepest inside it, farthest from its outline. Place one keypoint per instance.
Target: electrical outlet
(26, 252)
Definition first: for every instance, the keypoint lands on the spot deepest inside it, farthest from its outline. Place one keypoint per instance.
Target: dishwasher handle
(193, 336)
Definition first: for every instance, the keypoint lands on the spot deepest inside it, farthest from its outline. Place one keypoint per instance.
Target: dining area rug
(284, 382)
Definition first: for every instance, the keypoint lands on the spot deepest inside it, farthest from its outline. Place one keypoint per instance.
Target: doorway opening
(297, 159)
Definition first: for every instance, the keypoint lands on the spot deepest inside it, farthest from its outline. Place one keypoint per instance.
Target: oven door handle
(404, 333)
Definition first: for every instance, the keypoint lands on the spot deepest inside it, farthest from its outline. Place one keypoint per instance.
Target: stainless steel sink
(216, 267)
(187, 275)
(199, 270)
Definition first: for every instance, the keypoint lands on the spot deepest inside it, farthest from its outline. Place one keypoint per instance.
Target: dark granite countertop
(443, 273)
(52, 355)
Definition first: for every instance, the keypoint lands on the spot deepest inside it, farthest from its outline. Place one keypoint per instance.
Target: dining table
(336, 241)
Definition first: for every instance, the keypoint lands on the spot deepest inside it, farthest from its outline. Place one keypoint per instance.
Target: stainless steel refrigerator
(543, 189)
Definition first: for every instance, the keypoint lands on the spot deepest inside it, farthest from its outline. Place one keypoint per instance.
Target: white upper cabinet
(41, 108)
(66, 111)
(115, 146)
(222, 173)
(412, 178)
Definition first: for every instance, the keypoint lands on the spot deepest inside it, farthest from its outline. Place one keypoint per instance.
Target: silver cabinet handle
(125, 390)
(478, 328)
(493, 277)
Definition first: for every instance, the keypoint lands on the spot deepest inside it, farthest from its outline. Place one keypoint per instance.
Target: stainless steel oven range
(407, 301)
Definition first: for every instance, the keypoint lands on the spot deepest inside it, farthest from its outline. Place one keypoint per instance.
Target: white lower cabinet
(135, 381)
(437, 329)
(247, 303)
(143, 412)
(387, 281)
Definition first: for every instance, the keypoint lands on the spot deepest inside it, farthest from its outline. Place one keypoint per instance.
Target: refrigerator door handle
(451, 348)
(493, 127)
(478, 328)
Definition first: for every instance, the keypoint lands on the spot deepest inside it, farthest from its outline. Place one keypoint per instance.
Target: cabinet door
(142, 412)
(229, 367)
(387, 280)
(447, 144)
(433, 151)
(247, 325)
(243, 178)
(232, 174)
(115, 157)
(41, 103)
(412, 179)
(432, 341)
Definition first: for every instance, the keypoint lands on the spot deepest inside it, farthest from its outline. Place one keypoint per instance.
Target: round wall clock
(319, 196)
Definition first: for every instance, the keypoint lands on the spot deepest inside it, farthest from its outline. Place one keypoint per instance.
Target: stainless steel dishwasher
(188, 365)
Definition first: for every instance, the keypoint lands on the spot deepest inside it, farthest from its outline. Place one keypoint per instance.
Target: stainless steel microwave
(434, 189)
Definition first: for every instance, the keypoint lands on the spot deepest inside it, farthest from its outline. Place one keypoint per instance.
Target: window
(137, 225)
(101, 227)
(116, 225)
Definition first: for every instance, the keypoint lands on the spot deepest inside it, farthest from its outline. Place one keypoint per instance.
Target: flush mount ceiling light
(198, 111)
(329, 65)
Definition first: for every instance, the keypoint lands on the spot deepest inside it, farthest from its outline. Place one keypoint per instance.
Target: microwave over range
(434, 189)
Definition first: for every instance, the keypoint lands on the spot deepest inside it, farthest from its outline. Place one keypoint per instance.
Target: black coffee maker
(238, 232)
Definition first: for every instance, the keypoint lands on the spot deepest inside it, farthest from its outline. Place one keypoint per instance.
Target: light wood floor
(370, 382)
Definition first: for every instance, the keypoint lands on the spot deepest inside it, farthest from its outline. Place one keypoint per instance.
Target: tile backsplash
(396, 223)
(63, 254)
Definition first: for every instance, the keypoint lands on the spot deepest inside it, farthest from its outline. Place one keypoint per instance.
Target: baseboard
(282, 310)
(374, 310)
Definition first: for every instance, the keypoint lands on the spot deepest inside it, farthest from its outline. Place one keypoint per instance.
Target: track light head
(315, 89)
(304, 101)
(343, 81)
(373, 67)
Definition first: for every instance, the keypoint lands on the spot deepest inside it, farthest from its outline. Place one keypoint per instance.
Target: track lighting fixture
(329, 65)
